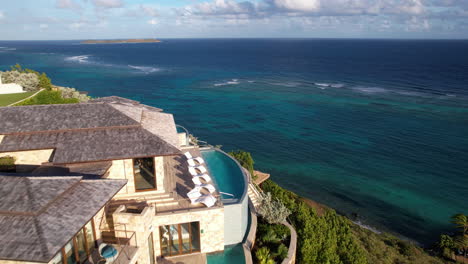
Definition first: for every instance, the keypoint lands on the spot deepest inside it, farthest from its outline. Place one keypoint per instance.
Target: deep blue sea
(374, 128)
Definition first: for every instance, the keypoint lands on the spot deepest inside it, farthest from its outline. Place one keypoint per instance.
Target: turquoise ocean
(377, 129)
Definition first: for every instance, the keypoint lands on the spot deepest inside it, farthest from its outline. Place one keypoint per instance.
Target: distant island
(120, 41)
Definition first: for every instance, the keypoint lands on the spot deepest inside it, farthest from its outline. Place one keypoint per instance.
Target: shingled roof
(105, 129)
(39, 215)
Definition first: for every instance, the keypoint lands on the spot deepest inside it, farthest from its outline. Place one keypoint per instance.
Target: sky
(114, 19)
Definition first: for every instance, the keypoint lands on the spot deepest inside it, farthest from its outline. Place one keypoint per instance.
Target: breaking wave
(231, 82)
(332, 85)
(79, 59)
(145, 69)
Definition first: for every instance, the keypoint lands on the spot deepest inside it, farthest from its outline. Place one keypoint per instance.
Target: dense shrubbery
(321, 239)
(29, 81)
(272, 241)
(457, 244)
(332, 238)
(73, 93)
(272, 210)
(32, 80)
(7, 163)
(245, 160)
(48, 97)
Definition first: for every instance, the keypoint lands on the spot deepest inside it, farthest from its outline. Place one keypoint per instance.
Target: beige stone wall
(25, 159)
(123, 169)
(182, 139)
(211, 228)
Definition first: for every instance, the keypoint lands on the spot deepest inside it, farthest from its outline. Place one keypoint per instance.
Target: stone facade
(123, 169)
(147, 223)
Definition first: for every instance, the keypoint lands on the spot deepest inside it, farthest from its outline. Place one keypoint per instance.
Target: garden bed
(271, 243)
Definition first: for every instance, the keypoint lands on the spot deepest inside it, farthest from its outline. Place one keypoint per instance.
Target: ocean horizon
(374, 128)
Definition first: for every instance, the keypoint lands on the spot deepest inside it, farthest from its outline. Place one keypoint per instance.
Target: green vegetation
(245, 160)
(272, 210)
(387, 249)
(7, 99)
(271, 243)
(332, 238)
(30, 80)
(448, 245)
(48, 97)
(7, 164)
(33, 81)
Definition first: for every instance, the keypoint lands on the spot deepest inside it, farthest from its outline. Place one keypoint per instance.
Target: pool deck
(178, 182)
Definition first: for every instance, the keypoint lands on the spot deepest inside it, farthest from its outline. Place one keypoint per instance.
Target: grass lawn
(7, 99)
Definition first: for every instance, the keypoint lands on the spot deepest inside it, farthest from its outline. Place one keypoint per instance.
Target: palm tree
(461, 222)
(263, 255)
(270, 237)
(461, 240)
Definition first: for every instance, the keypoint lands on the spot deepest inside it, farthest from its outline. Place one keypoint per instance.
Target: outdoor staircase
(254, 194)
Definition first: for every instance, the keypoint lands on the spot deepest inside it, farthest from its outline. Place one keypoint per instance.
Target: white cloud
(108, 3)
(148, 10)
(67, 4)
(153, 22)
(43, 26)
(297, 5)
(2, 15)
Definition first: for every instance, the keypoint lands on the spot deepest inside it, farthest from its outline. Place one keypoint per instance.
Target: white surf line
(26, 98)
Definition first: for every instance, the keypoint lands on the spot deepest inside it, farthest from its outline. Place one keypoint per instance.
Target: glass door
(81, 246)
(180, 239)
(69, 251)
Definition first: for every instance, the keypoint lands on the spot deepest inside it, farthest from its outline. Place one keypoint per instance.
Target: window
(79, 248)
(180, 239)
(144, 174)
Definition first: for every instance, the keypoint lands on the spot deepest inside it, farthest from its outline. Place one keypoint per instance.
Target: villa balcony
(125, 244)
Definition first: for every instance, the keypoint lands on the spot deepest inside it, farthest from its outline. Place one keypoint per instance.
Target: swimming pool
(227, 174)
(231, 255)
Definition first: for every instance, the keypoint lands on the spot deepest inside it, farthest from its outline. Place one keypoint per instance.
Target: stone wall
(26, 160)
(123, 169)
(147, 222)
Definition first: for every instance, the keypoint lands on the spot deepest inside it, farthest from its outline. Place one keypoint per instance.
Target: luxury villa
(113, 179)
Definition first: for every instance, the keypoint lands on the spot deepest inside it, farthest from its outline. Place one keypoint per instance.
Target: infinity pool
(232, 255)
(227, 174)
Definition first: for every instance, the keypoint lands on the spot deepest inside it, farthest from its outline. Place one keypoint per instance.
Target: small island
(120, 41)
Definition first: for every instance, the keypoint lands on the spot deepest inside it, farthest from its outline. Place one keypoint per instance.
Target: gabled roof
(92, 145)
(41, 118)
(39, 215)
(104, 129)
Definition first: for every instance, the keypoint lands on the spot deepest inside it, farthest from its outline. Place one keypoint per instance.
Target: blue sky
(107, 19)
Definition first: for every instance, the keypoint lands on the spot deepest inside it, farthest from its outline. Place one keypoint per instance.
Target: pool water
(226, 173)
(233, 254)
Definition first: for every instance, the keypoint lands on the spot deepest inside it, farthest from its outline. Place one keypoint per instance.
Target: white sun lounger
(196, 179)
(198, 160)
(196, 192)
(207, 186)
(208, 200)
(196, 171)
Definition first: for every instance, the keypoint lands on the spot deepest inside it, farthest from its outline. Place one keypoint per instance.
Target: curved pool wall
(229, 177)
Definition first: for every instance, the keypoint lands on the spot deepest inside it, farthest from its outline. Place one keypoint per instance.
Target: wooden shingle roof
(105, 129)
(39, 215)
